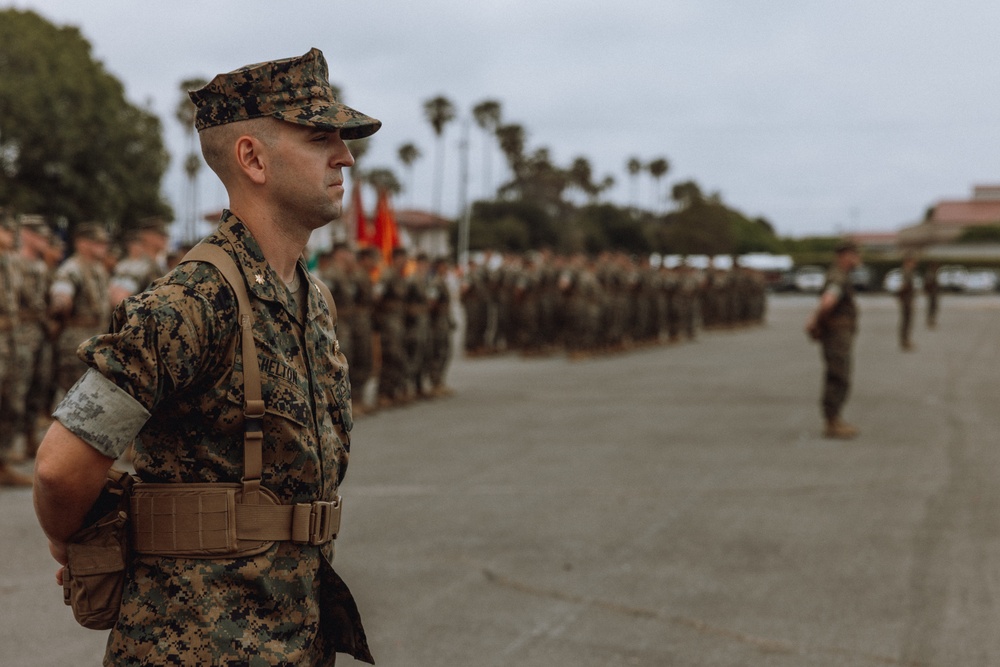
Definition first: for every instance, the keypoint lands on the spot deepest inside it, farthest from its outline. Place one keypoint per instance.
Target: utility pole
(462, 252)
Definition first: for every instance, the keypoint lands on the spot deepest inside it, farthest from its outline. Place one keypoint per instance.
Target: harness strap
(253, 406)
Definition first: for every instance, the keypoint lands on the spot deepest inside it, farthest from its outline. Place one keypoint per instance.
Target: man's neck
(281, 249)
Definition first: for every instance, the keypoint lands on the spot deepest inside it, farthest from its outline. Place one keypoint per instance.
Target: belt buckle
(324, 521)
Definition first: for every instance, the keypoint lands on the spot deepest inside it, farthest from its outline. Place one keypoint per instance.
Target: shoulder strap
(253, 407)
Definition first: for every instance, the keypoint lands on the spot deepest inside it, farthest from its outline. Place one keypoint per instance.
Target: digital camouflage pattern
(174, 349)
(296, 90)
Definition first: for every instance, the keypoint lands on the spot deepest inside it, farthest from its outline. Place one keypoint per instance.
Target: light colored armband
(101, 414)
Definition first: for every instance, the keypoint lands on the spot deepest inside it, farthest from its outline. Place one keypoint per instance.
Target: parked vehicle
(894, 280)
(861, 278)
(809, 279)
(980, 281)
(951, 277)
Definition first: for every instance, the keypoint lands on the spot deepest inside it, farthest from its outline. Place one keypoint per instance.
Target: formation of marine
(395, 322)
(540, 302)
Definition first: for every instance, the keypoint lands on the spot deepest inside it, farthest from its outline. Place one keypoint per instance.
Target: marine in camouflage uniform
(417, 338)
(144, 246)
(906, 294)
(475, 304)
(390, 322)
(361, 324)
(442, 327)
(171, 375)
(33, 370)
(10, 281)
(834, 324)
(79, 300)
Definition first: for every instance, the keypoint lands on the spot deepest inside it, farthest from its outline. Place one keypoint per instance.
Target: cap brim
(352, 124)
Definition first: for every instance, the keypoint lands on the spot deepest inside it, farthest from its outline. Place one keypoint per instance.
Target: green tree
(512, 138)
(71, 146)
(439, 111)
(634, 169)
(658, 168)
(383, 179)
(408, 154)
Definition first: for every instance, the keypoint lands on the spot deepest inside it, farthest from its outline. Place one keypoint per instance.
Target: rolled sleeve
(101, 414)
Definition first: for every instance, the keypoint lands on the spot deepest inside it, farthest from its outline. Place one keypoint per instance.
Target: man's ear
(250, 157)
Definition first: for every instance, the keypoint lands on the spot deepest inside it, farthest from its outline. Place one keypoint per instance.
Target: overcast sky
(821, 116)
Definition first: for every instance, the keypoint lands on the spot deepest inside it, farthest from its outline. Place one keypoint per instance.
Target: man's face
(6, 239)
(306, 176)
(92, 249)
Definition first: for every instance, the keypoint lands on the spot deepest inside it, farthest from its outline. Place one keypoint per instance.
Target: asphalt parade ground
(673, 505)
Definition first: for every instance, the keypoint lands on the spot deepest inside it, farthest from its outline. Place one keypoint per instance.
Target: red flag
(363, 234)
(386, 234)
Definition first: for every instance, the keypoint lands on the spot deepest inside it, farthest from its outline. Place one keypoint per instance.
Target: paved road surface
(670, 506)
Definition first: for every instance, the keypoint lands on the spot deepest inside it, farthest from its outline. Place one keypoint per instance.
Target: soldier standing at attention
(442, 326)
(171, 376)
(932, 288)
(361, 324)
(834, 324)
(390, 321)
(906, 293)
(144, 260)
(9, 287)
(79, 300)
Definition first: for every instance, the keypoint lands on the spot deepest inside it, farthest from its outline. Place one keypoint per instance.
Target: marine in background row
(394, 323)
(50, 306)
(540, 302)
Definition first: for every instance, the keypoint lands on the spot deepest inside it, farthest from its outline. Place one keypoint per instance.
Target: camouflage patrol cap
(7, 221)
(35, 223)
(846, 245)
(153, 223)
(296, 90)
(93, 231)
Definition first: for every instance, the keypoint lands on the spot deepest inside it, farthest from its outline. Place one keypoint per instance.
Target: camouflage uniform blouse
(172, 373)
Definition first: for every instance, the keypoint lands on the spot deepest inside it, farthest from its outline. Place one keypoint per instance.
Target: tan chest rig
(229, 520)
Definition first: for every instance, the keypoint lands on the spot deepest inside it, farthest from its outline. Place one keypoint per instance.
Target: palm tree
(512, 138)
(487, 116)
(634, 167)
(185, 114)
(658, 168)
(383, 179)
(581, 176)
(439, 112)
(408, 154)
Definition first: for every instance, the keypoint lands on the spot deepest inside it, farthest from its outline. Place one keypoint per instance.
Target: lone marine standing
(834, 324)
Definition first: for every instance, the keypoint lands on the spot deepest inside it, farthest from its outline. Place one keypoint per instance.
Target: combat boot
(838, 428)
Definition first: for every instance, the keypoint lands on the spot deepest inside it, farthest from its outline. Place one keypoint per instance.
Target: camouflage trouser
(905, 321)
(836, 345)
(440, 352)
(27, 343)
(360, 367)
(417, 345)
(476, 322)
(393, 375)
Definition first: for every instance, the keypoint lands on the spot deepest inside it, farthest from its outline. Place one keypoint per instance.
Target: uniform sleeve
(165, 341)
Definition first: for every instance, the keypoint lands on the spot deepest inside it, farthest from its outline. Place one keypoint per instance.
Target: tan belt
(205, 520)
